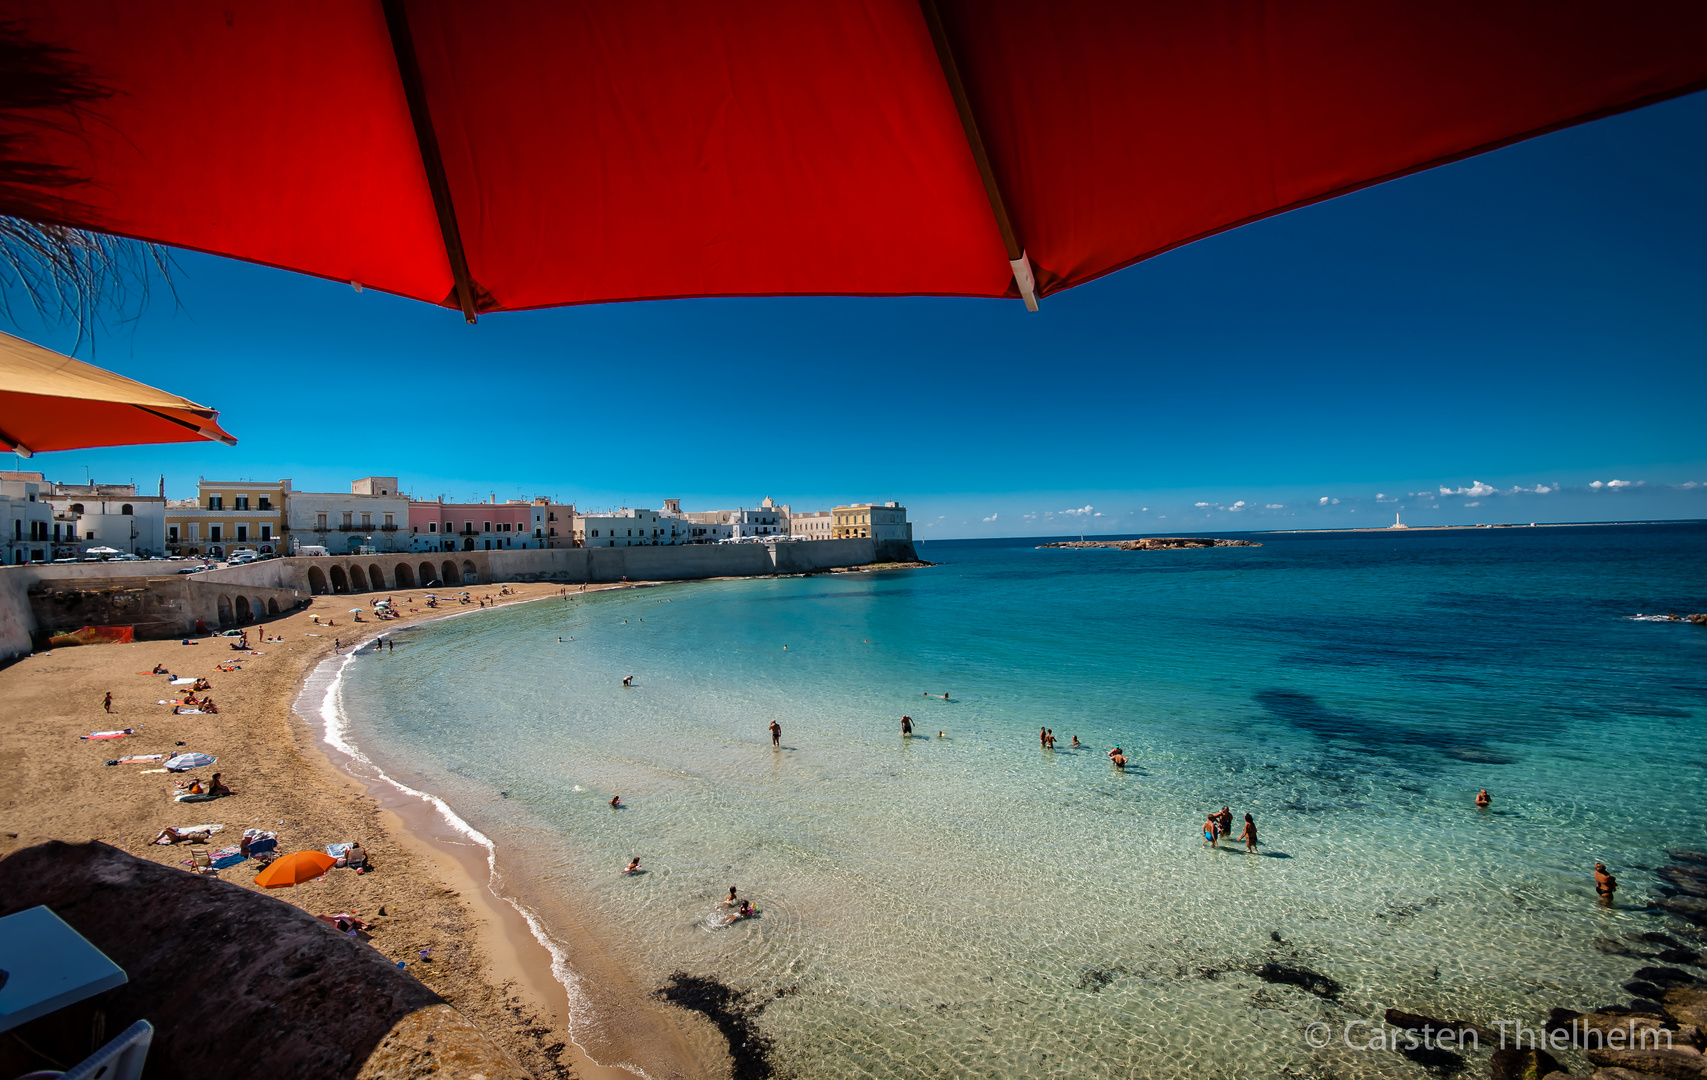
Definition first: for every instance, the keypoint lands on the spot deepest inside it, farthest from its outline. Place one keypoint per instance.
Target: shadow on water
(735, 1017)
(1306, 713)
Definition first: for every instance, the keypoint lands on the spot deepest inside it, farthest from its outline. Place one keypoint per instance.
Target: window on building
(468, 526)
(390, 521)
(242, 502)
(242, 532)
(320, 521)
(367, 519)
(266, 503)
(126, 510)
(487, 526)
(216, 502)
(172, 533)
(213, 532)
(432, 526)
(266, 532)
(349, 519)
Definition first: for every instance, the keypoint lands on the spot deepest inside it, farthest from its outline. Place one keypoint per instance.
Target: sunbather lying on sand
(195, 834)
(345, 921)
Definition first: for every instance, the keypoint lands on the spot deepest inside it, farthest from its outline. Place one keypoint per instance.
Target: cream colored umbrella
(49, 401)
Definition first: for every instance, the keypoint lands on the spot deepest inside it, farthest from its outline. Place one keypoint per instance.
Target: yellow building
(228, 516)
(880, 521)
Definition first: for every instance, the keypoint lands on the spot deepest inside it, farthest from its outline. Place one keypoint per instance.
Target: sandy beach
(421, 894)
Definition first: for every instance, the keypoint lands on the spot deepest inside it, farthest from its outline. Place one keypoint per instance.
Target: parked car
(192, 569)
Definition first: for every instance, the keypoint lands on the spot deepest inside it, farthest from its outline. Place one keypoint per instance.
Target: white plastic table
(48, 966)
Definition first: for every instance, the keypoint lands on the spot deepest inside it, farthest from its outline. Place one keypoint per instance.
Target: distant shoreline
(1474, 528)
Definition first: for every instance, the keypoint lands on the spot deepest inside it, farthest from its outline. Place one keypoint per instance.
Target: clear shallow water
(973, 906)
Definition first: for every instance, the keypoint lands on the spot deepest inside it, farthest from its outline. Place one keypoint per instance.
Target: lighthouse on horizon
(1397, 524)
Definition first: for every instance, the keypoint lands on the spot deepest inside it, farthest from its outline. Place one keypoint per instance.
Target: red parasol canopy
(497, 156)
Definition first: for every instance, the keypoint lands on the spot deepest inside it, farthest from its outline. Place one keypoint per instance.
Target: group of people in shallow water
(1219, 823)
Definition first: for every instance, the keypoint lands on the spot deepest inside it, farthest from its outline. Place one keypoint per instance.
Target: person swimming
(633, 866)
(616, 803)
(1482, 799)
(1075, 742)
(729, 901)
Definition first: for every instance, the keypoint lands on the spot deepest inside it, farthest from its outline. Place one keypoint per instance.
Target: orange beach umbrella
(294, 869)
(51, 402)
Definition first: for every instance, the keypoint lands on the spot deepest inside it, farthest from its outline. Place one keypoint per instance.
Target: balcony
(389, 528)
(322, 527)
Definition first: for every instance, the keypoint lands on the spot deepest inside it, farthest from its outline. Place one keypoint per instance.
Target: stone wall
(46, 598)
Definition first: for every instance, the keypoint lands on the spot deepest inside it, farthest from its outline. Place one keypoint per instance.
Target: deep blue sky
(1535, 316)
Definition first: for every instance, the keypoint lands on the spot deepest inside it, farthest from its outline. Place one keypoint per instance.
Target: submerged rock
(1313, 981)
(1408, 1021)
(1514, 1064)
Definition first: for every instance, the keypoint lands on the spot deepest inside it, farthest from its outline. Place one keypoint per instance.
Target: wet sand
(430, 883)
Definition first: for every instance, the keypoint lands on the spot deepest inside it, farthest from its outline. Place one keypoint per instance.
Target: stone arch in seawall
(405, 578)
(340, 583)
(428, 574)
(449, 575)
(358, 580)
(225, 611)
(376, 577)
(244, 614)
(316, 581)
(272, 607)
(469, 574)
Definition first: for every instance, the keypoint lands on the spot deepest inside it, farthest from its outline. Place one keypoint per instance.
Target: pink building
(487, 526)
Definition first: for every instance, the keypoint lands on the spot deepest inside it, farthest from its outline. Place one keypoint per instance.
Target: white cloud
(992, 517)
(1477, 503)
(1083, 511)
(1476, 490)
(1689, 484)
(1146, 509)
(1200, 505)
(1619, 484)
(1595, 485)
(1379, 496)
(1097, 514)
(1240, 505)
(1336, 502)
(1323, 501)
(1274, 506)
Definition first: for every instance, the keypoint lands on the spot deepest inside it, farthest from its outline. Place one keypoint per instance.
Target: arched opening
(126, 510)
(358, 580)
(258, 608)
(468, 543)
(448, 574)
(340, 583)
(316, 581)
(376, 577)
(470, 576)
(405, 576)
(225, 611)
(272, 607)
(243, 612)
(428, 574)
(76, 508)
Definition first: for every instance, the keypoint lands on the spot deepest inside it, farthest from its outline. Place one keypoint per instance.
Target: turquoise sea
(975, 906)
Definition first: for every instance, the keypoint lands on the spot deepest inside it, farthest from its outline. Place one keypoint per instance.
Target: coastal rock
(218, 968)
(1698, 620)
(1596, 1028)
(1686, 1005)
(1408, 1021)
(1514, 1064)
(1675, 1064)
(1622, 1074)
(1667, 976)
(1152, 543)
(1693, 908)
(1315, 982)
(1688, 856)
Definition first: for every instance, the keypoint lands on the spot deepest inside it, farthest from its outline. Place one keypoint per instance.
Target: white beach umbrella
(184, 762)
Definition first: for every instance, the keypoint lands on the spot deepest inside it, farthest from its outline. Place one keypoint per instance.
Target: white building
(765, 520)
(84, 516)
(812, 526)
(373, 515)
(26, 522)
(631, 528)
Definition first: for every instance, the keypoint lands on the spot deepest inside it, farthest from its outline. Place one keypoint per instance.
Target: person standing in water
(906, 725)
(1211, 831)
(731, 901)
(776, 733)
(1482, 799)
(1249, 836)
(1604, 884)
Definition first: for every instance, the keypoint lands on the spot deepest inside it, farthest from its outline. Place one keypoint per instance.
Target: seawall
(44, 598)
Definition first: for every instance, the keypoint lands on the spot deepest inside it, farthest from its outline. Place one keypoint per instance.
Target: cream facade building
(811, 526)
(227, 516)
(879, 521)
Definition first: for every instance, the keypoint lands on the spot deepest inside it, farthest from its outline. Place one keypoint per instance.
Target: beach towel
(191, 681)
(137, 759)
(225, 857)
(108, 734)
(184, 796)
(207, 828)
